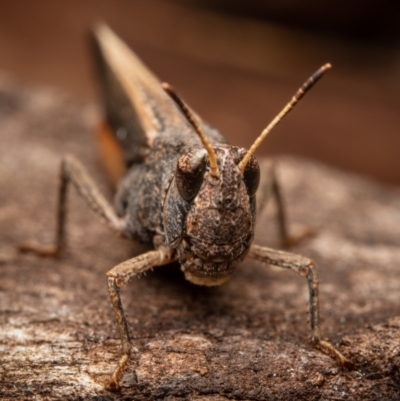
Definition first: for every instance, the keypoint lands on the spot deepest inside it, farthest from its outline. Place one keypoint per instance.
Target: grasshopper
(187, 192)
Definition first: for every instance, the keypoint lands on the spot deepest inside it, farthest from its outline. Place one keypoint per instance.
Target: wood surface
(246, 340)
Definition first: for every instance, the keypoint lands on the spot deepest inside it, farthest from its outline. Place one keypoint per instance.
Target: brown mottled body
(191, 196)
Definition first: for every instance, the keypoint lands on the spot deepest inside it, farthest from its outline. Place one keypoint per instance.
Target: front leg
(72, 171)
(304, 267)
(117, 277)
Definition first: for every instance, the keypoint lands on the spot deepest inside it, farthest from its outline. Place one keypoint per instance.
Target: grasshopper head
(210, 220)
(209, 212)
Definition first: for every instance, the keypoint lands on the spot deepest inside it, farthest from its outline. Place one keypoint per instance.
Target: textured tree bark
(246, 340)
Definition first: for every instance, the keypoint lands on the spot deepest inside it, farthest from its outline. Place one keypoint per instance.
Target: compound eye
(251, 176)
(190, 172)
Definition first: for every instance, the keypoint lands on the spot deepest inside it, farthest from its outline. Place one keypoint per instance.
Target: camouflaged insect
(187, 192)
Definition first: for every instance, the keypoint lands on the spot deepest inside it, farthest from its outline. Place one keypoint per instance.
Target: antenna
(193, 121)
(295, 99)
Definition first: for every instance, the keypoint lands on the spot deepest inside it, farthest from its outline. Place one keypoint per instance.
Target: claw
(329, 349)
(292, 240)
(113, 384)
(49, 251)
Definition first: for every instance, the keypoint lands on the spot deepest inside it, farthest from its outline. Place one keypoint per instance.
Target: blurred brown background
(237, 63)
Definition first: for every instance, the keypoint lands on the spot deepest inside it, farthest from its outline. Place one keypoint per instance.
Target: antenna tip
(167, 87)
(327, 66)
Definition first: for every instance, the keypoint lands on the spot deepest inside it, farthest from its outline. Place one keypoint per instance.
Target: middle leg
(73, 172)
(269, 186)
